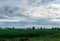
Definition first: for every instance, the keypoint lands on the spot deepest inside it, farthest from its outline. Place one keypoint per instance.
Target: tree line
(33, 28)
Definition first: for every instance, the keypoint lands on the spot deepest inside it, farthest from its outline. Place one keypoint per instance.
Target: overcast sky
(29, 12)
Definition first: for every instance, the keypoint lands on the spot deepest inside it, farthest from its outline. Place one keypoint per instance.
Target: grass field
(29, 35)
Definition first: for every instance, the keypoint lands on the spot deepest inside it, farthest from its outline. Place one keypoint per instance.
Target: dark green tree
(33, 27)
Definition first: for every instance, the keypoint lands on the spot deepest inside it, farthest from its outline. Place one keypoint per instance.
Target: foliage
(12, 34)
(26, 33)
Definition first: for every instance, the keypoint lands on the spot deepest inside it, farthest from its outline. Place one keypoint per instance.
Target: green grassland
(29, 35)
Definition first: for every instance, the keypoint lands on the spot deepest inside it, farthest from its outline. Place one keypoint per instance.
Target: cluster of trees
(55, 28)
(41, 28)
(33, 28)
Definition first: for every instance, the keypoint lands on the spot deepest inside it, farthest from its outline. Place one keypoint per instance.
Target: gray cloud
(28, 12)
(39, 2)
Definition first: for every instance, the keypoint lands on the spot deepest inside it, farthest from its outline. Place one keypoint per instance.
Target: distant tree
(41, 28)
(7, 28)
(29, 28)
(56, 28)
(33, 27)
(12, 27)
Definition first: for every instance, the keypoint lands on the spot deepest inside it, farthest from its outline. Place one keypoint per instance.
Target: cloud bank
(29, 12)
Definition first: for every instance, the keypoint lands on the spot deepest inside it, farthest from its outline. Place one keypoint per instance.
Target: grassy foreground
(29, 35)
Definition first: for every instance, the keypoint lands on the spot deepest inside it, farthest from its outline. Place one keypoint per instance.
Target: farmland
(29, 35)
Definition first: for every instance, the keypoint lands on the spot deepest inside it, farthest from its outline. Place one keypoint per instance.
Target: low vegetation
(30, 34)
